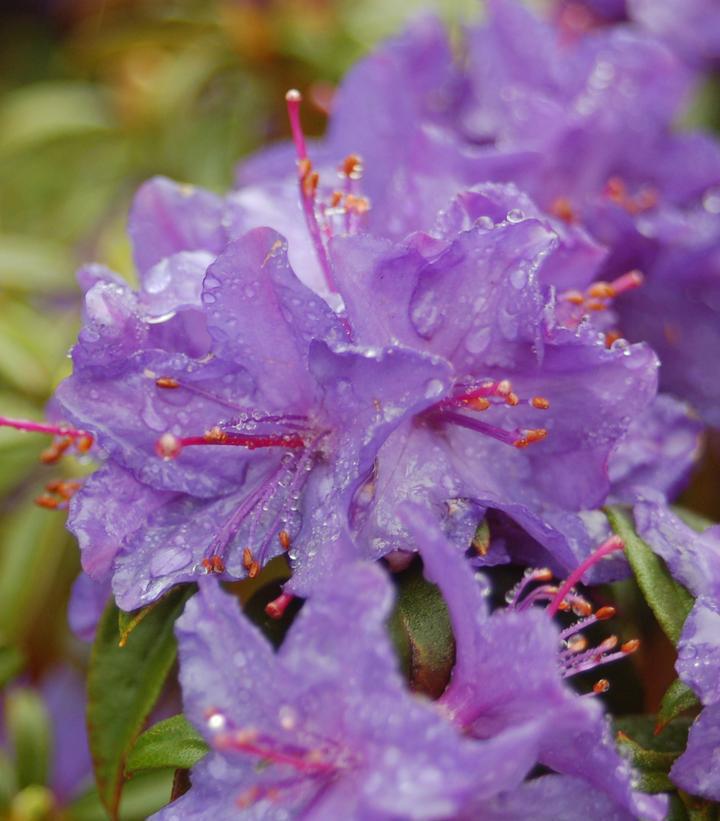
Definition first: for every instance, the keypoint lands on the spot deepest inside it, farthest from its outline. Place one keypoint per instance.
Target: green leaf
(170, 743)
(643, 759)
(28, 726)
(11, 662)
(668, 600)
(144, 795)
(653, 782)
(641, 728)
(678, 698)
(124, 684)
(422, 633)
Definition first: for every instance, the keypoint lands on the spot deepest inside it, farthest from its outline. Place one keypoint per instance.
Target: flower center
(574, 656)
(320, 760)
(477, 397)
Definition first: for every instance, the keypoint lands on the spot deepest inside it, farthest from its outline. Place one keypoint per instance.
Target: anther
(540, 402)
(605, 613)
(512, 399)
(562, 208)
(284, 539)
(167, 382)
(602, 685)
(47, 501)
(630, 646)
(352, 166)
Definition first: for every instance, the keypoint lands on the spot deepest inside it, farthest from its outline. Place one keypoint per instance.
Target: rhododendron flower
(510, 668)
(325, 728)
(208, 459)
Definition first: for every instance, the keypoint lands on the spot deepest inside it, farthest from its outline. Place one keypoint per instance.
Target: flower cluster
(437, 330)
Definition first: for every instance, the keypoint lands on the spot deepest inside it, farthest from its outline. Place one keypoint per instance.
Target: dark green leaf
(669, 601)
(170, 743)
(421, 630)
(28, 726)
(641, 729)
(653, 782)
(124, 684)
(643, 759)
(678, 698)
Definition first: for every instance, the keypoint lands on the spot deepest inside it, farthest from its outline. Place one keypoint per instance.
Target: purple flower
(691, 27)
(598, 114)
(278, 414)
(325, 728)
(510, 669)
(536, 409)
(694, 560)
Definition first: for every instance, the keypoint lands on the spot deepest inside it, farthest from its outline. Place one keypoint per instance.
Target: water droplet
(515, 215)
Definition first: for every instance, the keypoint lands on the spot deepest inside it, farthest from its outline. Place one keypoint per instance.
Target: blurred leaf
(8, 782)
(653, 782)
(28, 725)
(144, 795)
(170, 743)
(30, 263)
(422, 633)
(123, 685)
(669, 601)
(36, 564)
(11, 662)
(678, 698)
(42, 111)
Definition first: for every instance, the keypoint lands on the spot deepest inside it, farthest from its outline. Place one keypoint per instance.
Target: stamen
(611, 545)
(284, 539)
(277, 607)
(602, 685)
(308, 182)
(169, 446)
(66, 436)
(248, 741)
(598, 297)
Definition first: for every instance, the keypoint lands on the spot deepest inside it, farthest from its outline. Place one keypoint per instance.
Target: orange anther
(512, 399)
(605, 613)
(536, 435)
(248, 558)
(630, 646)
(478, 403)
(504, 387)
(601, 290)
(284, 539)
(562, 208)
(215, 435)
(601, 686)
(352, 166)
(84, 443)
(540, 402)
(336, 199)
(47, 501)
(167, 382)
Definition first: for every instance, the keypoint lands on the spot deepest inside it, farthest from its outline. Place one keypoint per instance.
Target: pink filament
(611, 545)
